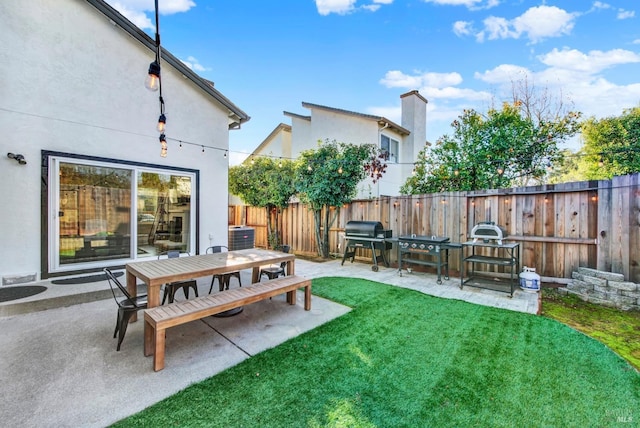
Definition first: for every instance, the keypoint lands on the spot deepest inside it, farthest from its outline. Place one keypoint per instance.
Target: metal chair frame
(223, 279)
(127, 307)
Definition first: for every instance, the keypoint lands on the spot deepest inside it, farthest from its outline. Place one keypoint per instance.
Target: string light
(202, 149)
(162, 121)
(163, 146)
(340, 170)
(225, 153)
(154, 83)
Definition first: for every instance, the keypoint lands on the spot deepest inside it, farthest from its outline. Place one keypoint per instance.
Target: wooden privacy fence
(559, 227)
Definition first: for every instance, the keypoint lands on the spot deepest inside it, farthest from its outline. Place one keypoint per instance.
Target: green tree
(513, 146)
(328, 177)
(265, 182)
(611, 145)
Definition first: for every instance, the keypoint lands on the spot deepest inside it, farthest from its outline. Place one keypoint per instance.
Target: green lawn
(404, 359)
(619, 330)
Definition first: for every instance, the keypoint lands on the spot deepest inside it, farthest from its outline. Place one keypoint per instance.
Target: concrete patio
(59, 366)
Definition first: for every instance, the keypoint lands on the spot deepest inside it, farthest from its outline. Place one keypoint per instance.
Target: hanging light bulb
(152, 82)
(225, 153)
(163, 146)
(500, 170)
(162, 121)
(340, 170)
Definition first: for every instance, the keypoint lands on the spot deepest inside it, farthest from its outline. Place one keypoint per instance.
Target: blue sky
(270, 56)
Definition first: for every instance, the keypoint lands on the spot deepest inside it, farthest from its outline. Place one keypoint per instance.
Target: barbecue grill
(427, 251)
(369, 235)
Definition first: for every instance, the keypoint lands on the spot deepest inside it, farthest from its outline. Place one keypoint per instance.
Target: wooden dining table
(154, 273)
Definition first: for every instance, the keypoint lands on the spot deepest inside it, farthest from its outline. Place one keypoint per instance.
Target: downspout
(386, 125)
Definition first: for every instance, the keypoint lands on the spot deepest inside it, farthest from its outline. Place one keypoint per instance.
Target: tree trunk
(317, 217)
(325, 234)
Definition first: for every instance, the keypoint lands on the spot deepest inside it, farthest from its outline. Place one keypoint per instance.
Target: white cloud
(138, 17)
(497, 28)
(462, 28)
(625, 14)
(341, 7)
(502, 73)
(136, 10)
(600, 5)
(194, 64)
(344, 7)
(591, 63)
(544, 21)
(471, 4)
(537, 23)
(398, 79)
(636, 42)
(573, 77)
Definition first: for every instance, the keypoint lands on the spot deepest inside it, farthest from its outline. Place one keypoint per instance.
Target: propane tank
(529, 280)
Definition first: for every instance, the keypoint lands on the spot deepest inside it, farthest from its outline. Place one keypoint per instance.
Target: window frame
(393, 144)
(50, 206)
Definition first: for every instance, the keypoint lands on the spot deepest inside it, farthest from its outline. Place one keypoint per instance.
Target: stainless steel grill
(368, 235)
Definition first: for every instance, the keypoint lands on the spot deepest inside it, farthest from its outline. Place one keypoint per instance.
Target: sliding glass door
(106, 213)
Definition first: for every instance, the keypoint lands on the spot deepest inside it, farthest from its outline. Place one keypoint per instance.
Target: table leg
(132, 288)
(291, 269)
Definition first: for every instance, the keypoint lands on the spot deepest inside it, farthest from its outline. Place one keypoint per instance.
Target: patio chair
(126, 307)
(171, 288)
(273, 272)
(223, 279)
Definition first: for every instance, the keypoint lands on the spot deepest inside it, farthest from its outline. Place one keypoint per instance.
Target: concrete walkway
(59, 366)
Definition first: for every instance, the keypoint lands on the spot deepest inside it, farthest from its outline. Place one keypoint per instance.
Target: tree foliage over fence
(507, 147)
(328, 177)
(265, 182)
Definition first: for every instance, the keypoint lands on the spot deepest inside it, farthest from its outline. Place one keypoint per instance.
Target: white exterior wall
(278, 145)
(301, 139)
(73, 82)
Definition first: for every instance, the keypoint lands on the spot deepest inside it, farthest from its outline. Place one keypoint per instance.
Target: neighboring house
(95, 191)
(402, 142)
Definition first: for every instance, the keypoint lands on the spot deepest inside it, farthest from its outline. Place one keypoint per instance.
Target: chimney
(414, 118)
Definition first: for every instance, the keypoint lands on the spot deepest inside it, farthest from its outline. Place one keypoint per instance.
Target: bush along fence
(604, 288)
(594, 224)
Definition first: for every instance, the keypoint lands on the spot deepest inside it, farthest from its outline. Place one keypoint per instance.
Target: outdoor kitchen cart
(487, 248)
(426, 251)
(505, 255)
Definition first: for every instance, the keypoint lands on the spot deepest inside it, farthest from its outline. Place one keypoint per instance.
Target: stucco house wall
(357, 128)
(71, 81)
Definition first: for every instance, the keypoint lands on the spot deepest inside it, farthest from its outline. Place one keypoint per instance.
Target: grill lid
(366, 229)
(487, 231)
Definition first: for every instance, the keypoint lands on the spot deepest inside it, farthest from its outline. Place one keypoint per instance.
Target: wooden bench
(160, 318)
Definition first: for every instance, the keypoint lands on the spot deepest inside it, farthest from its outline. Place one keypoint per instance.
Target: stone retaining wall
(604, 288)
